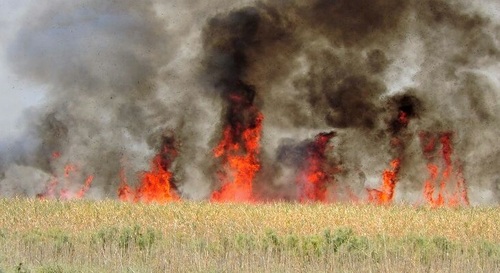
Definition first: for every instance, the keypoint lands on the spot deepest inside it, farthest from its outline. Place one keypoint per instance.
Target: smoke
(108, 101)
(123, 74)
(355, 66)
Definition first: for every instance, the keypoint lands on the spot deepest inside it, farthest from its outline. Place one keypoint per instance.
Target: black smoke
(120, 74)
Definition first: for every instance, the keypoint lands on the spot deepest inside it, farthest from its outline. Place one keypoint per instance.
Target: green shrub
(272, 241)
(442, 244)
(51, 269)
(292, 243)
(312, 245)
(245, 242)
(341, 236)
(104, 238)
(146, 240)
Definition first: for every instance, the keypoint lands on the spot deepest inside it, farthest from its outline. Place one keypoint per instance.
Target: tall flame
(312, 181)
(240, 162)
(385, 194)
(442, 177)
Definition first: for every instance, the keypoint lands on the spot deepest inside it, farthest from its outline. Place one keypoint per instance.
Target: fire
(88, 182)
(442, 178)
(240, 160)
(56, 155)
(50, 189)
(312, 181)
(125, 192)
(64, 193)
(385, 194)
(157, 184)
(238, 152)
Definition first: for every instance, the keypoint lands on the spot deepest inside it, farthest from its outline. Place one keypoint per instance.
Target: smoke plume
(387, 76)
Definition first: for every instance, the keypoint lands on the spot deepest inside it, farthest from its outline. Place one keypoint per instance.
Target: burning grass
(178, 236)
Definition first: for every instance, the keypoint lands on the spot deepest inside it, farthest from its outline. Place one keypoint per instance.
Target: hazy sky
(16, 93)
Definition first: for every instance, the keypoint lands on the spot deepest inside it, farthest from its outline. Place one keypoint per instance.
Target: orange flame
(385, 194)
(64, 193)
(240, 163)
(313, 180)
(88, 182)
(442, 198)
(461, 192)
(125, 192)
(156, 185)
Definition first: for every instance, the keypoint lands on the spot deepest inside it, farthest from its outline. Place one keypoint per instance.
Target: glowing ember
(56, 155)
(312, 181)
(442, 178)
(240, 162)
(403, 118)
(157, 184)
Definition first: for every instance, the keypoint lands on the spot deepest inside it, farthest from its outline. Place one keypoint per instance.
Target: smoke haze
(123, 75)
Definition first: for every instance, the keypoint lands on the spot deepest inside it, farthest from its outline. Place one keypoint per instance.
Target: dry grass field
(112, 236)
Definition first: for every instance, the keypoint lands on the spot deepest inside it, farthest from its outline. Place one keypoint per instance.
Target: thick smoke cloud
(102, 63)
(329, 64)
(122, 75)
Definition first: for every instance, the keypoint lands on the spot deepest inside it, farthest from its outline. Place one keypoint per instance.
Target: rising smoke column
(100, 63)
(308, 163)
(119, 75)
(462, 104)
(405, 108)
(337, 64)
(226, 41)
(240, 44)
(315, 176)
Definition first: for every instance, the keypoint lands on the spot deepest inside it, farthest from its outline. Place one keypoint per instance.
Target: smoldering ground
(122, 74)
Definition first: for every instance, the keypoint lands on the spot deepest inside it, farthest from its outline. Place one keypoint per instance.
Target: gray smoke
(354, 65)
(117, 81)
(122, 74)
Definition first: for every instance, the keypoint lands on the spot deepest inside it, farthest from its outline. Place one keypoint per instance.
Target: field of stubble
(111, 236)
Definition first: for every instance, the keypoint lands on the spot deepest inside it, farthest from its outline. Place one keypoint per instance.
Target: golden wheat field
(112, 236)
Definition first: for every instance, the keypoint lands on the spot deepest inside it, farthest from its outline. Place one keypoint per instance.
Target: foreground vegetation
(110, 236)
